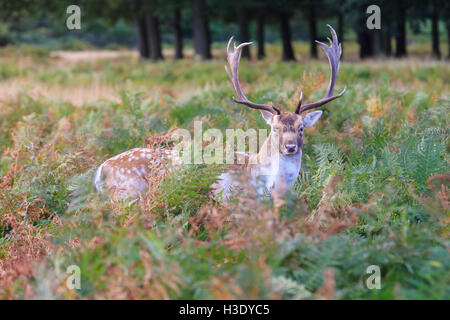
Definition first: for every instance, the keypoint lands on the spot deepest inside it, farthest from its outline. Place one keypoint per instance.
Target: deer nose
(291, 148)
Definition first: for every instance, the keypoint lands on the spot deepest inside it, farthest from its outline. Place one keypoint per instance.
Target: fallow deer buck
(277, 165)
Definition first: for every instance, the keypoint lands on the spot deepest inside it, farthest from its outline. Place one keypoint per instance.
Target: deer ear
(267, 116)
(311, 118)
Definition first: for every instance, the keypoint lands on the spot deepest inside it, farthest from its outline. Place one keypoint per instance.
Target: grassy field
(373, 188)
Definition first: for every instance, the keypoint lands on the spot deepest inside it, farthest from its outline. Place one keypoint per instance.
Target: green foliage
(188, 190)
(383, 139)
(8, 71)
(422, 157)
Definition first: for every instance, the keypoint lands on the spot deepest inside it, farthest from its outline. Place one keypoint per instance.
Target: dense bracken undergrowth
(373, 189)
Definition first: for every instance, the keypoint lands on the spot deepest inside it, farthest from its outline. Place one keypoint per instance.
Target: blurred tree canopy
(149, 24)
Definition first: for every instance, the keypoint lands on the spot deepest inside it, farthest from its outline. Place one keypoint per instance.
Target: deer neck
(276, 169)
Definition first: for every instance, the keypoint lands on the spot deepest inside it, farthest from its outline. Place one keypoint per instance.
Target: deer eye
(301, 129)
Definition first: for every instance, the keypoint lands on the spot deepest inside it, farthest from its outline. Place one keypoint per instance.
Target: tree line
(148, 16)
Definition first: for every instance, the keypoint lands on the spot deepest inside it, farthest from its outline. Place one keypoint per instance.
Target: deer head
(287, 127)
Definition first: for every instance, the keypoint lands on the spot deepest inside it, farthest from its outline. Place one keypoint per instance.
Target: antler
(233, 58)
(333, 53)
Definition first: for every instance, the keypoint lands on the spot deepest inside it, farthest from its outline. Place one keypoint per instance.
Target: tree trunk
(312, 30)
(435, 32)
(387, 41)
(141, 30)
(365, 44)
(142, 41)
(177, 34)
(201, 29)
(154, 38)
(288, 52)
(341, 30)
(448, 37)
(400, 39)
(244, 35)
(3, 41)
(260, 36)
(376, 42)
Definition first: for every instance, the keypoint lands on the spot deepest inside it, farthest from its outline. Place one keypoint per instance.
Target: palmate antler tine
(333, 52)
(233, 58)
(320, 102)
